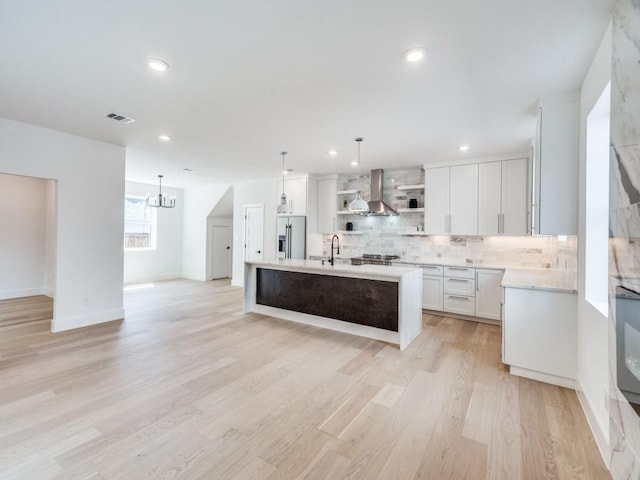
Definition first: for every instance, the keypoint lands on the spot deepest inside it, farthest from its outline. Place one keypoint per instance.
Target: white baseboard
(69, 323)
(155, 278)
(237, 282)
(49, 292)
(601, 439)
(21, 292)
(543, 377)
(193, 276)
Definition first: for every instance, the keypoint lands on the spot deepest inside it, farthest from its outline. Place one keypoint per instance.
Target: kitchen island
(379, 302)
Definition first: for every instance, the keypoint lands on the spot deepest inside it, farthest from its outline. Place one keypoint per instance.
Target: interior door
(221, 245)
(253, 232)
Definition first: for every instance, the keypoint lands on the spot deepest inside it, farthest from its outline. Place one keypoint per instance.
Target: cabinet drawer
(461, 272)
(435, 270)
(460, 286)
(459, 304)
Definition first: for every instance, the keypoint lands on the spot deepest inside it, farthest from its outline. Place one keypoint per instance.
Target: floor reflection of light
(138, 286)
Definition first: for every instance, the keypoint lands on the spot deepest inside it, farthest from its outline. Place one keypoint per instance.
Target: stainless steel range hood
(376, 205)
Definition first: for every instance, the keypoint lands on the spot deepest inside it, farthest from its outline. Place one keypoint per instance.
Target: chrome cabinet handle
(458, 280)
(459, 269)
(459, 298)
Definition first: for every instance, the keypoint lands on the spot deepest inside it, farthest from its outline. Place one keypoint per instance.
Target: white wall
(49, 283)
(260, 192)
(23, 208)
(165, 261)
(593, 353)
(89, 216)
(198, 203)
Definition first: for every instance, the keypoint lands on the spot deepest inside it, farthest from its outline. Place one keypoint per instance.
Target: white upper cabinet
(296, 191)
(555, 167)
(463, 200)
(327, 188)
(514, 197)
(451, 196)
(502, 197)
(489, 198)
(436, 201)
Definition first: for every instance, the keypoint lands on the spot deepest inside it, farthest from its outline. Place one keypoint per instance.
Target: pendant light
(358, 204)
(161, 200)
(282, 206)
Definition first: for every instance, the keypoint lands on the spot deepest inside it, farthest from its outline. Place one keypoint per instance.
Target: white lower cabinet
(462, 290)
(539, 334)
(459, 304)
(432, 287)
(488, 293)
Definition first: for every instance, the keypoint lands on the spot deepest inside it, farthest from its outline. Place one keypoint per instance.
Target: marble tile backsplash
(527, 252)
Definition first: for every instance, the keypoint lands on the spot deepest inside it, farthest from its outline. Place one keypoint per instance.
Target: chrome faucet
(335, 237)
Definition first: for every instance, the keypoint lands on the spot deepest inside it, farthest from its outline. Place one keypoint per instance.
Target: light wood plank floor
(189, 387)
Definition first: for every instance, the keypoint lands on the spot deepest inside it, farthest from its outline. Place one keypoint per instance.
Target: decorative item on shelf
(349, 226)
(413, 203)
(161, 200)
(282, 206)
(345, 204)
(358, 205)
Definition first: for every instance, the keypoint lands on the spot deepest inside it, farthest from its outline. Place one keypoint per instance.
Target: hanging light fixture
(161, 201)
(282, 206)
(358, 204)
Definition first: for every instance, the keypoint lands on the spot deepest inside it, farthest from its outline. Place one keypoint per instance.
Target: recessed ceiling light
(355, 163)
(414, 54)
(333, 153)
(157, 65)
(464, 148)
(164, 138)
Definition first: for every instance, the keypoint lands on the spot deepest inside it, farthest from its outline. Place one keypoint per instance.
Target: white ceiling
(250, 78)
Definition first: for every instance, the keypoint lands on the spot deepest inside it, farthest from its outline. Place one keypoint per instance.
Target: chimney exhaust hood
(376, 206)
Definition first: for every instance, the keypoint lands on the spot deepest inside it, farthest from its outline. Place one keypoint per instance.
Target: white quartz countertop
(540, 279)
(450, 263)
(317, 267)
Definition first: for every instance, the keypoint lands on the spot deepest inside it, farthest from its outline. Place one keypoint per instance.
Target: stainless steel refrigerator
(291, 235)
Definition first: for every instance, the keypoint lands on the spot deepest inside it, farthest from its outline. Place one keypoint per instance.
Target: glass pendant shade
(358, 204)
(282, 206)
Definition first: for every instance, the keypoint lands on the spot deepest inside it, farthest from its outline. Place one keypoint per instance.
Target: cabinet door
(432, 293)
(296, 191)
(488, 293)
(557, 188)
(540, 331)
(327, 205)
(489, 198)
(463, 200)
(514, 197)
(436, 200)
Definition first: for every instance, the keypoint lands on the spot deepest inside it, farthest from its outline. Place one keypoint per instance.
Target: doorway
(27, 250)
(221, 251)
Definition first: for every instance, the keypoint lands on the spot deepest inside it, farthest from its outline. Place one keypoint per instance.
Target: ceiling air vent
(121, 118)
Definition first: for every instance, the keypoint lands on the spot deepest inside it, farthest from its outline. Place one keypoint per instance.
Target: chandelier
(160, 201)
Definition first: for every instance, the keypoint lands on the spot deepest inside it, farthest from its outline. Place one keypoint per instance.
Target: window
(139, 224)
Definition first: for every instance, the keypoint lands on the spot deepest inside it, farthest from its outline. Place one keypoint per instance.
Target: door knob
(228, 248)
(258, 251)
